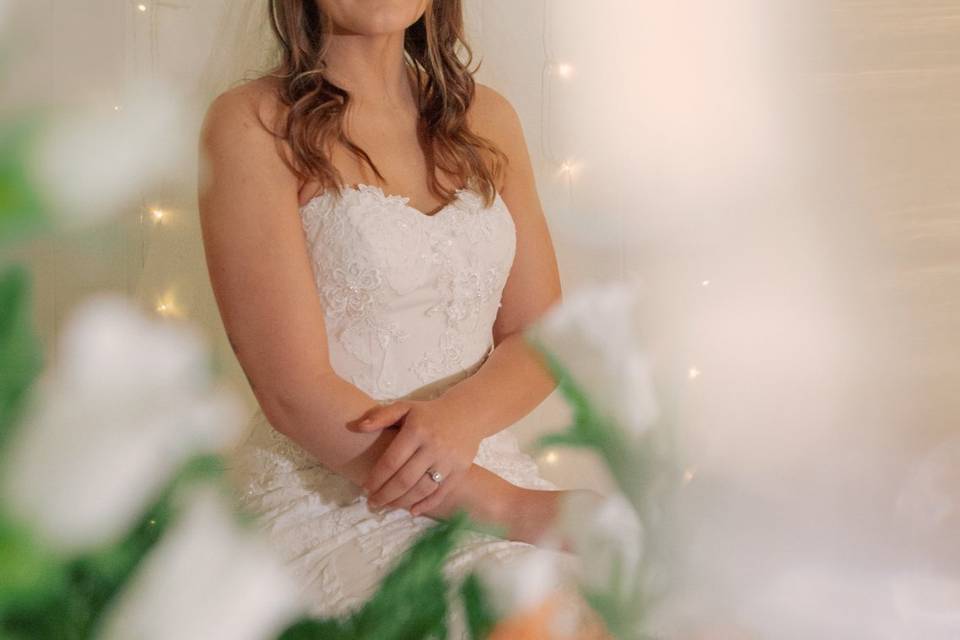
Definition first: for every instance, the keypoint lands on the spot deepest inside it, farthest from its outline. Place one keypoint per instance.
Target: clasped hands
(429, 438)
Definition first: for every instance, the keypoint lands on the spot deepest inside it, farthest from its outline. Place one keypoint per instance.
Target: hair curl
(316, 107)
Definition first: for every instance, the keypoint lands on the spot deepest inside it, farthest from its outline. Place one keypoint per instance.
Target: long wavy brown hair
(315, 107)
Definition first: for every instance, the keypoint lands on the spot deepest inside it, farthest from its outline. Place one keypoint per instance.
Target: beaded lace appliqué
(371, 249)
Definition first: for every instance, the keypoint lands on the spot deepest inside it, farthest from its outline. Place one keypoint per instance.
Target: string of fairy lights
(145, 17)
(569, 167)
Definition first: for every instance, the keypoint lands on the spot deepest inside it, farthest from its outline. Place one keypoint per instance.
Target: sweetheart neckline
(404, 201)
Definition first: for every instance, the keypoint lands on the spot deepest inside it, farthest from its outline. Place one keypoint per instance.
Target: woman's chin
(373, 17)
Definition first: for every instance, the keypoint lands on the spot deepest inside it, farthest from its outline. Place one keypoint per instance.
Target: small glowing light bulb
(117, 107)
(166, 306)
(564, 70)
(705, 283)
(693, 373)
(157, 214)
(142, 7)
(568, 169)
(550, 457)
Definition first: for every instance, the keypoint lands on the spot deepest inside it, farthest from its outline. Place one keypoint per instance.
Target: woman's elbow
(286, 405)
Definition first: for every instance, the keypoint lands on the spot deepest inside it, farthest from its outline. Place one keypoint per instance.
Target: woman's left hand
(429, 438)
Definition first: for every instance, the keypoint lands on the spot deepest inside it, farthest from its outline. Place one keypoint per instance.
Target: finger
(381, 417)
(391, 460)
(423, 488)
(437, 497)
(404, 479)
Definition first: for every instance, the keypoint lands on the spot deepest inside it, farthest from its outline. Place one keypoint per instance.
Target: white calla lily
(90, 163)
(130, 400)
(520, 583)
(207, 579)
(591, 333)
(607, 534)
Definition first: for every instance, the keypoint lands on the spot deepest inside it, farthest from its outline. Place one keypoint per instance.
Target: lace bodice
(409, 298)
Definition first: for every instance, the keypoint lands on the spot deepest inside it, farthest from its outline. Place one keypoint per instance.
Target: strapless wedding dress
(410, 300)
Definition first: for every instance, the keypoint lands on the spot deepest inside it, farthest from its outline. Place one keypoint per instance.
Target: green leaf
(29, 572)
(310, 629)
(20, 350)
(565, 383)
(21, 206)
(480, 617)
(631, 463)
(410, 602)
(90, 581)
(569, 438)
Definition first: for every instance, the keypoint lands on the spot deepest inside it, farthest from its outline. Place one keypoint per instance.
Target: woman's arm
(263, 283)
(513, 380)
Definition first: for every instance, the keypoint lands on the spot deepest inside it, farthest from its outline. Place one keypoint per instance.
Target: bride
(376, 247)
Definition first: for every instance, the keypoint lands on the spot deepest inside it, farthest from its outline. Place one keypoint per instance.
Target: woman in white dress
(376, 247)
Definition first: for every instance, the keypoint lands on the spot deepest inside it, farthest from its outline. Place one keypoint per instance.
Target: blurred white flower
(854, 603)
(89, 164)
(520, 583)
(591, 332)
(207, 579)
(130, 399)
(607, 534)
(928, 602)
(929, 498)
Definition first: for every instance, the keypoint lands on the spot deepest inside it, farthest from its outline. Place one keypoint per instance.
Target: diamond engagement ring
(436, 476)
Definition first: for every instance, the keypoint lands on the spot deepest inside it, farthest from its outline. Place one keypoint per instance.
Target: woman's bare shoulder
(491, 114)
(252, 102)
(495, 119)
(238, 135)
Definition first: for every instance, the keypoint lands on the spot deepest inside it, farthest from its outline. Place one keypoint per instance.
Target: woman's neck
(371, 68)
